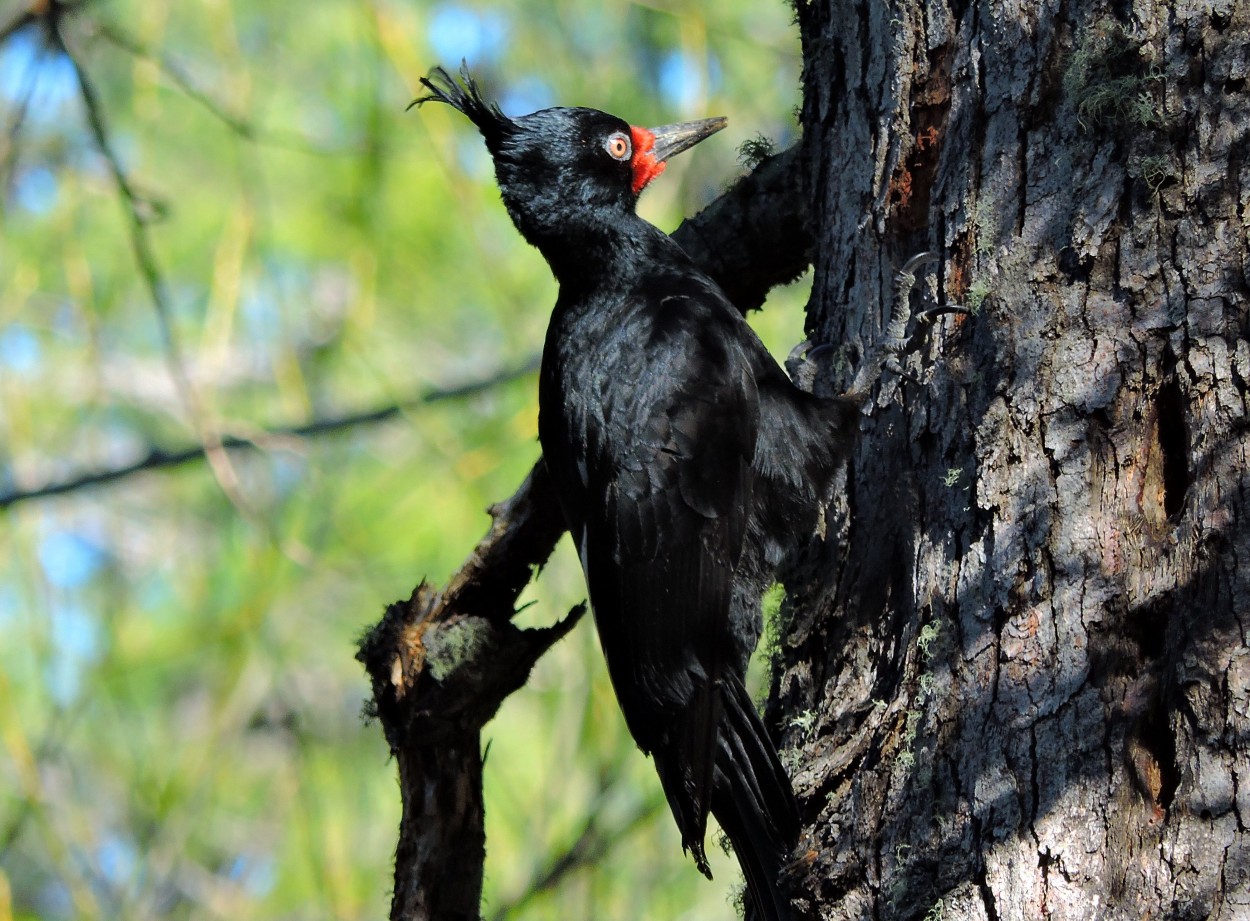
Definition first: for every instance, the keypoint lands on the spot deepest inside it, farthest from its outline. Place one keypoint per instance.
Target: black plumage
(687, 463)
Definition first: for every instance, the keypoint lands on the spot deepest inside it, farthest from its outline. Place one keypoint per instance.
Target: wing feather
(675, 466)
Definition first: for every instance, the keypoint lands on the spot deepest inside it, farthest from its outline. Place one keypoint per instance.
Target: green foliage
(179, 729)
(770, 643)
(805, 722)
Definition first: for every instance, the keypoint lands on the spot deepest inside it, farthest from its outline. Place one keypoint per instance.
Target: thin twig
(145, 257)
(20, 21)
(159, 458)
(136, 210)
(8, 168)
(236, 123)
(592, 845)
(178, 76)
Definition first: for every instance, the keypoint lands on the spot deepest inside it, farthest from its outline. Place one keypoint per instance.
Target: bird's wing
(674, 470)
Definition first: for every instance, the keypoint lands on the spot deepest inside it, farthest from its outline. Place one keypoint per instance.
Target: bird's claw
(892, 365)
(905, 280)
(895, 342)
(940, 310)
(802, 366)
(916, 261)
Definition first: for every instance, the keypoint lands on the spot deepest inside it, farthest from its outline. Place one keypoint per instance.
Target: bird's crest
(465, 96)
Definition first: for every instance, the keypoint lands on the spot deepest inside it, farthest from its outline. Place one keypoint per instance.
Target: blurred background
(219, 226)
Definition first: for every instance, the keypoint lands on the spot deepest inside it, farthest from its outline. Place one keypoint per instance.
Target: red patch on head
(644, 164)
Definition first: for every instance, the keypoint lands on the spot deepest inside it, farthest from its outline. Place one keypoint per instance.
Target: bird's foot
(905, 281)
(894, 367)
(896, 343)
(803, 363)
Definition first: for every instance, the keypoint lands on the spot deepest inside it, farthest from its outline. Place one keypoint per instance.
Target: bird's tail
(754, 804)
(717, 755)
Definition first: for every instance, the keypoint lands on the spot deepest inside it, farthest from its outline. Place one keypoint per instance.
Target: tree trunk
(1016, 680)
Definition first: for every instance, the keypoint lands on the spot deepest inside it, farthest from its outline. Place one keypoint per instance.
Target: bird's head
(563, 170)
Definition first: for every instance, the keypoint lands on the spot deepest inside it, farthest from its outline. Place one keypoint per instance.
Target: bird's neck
(612, 249)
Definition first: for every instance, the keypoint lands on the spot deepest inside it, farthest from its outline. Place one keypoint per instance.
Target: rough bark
(1016, 678)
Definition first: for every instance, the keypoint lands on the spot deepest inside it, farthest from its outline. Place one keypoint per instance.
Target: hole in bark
(1074, 265)
(1156, 737)
(1148, 628)
(1174, 446)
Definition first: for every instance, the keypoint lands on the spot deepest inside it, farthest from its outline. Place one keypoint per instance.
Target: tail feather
(686, 765)
(717, 755)
(754, 804)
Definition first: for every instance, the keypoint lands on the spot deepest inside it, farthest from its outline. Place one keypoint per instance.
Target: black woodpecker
(687, 463)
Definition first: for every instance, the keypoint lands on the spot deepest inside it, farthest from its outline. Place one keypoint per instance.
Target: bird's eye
(618, 146)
